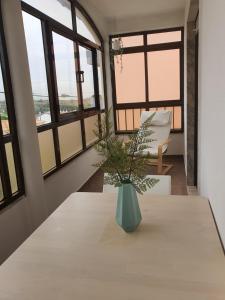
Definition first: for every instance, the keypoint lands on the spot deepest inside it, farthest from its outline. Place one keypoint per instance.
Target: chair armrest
(165, 142)
(162, 144)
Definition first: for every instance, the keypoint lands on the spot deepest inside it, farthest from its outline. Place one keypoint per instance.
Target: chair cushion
(161, 118)
(160, 133)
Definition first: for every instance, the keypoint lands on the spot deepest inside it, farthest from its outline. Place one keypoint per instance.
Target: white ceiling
(111, 9)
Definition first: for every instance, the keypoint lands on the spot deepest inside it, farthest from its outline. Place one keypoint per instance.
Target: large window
(147, 75)
(65, 73)
(66, 60)
(11, 178)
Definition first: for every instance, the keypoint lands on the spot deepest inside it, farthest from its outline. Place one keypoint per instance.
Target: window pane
(85, 29)
(121, 120)
(131, 41)
(90, 125)
(130, 81)
(129, 119)
(86, 66)
(3, 107)
(177, 117)
(65, 73)
(60, 10)
(70, 140)
(101, 81)
(125, 119)
(47, 152)
(11, 166)
(164, 37)
(35, 50)
(164, 75)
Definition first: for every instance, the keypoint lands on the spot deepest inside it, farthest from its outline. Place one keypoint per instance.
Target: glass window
(47, 151)
(177, 115)
(3, 107)
(164, 75)
(130, 119)
(131, 41)
(127, 119)
(130, 80)
(35, 50)
(85, 29)
(70, 140)
(101, 80)
(164, 37)
(121, 119)
(65, 73)
(62, 65)
(86, 66)
(147, 74)
(90, 125)
(59, 10)
(176, 122)
(11, 167)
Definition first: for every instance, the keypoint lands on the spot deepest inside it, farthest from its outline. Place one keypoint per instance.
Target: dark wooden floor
(178, 178)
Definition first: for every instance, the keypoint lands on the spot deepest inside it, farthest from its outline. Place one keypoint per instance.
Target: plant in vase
(125, 169)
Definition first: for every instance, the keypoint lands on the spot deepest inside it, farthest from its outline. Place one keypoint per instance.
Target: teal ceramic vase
(128, 214)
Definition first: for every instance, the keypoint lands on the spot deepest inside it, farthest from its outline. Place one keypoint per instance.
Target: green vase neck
(126, 181)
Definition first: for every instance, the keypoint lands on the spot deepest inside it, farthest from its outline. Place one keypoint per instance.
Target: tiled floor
(95, 183)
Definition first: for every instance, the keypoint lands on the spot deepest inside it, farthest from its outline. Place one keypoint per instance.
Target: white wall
(146, 22)
(211, 154)
(42, 196)
(99, 20)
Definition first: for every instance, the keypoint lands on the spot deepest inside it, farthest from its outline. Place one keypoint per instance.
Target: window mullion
(104, 78)
(146, 69)
(50, 70)
(73, 11)
(79, 91)
(52, 86)
(96, 79)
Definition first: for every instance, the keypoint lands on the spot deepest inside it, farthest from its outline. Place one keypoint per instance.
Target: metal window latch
(81, 76)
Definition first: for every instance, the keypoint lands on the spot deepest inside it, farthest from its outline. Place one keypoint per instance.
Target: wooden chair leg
(162, 169)
(166, 168)
(160, 164)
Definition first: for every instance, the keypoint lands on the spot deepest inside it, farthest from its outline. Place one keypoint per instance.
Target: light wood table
(79, 253)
